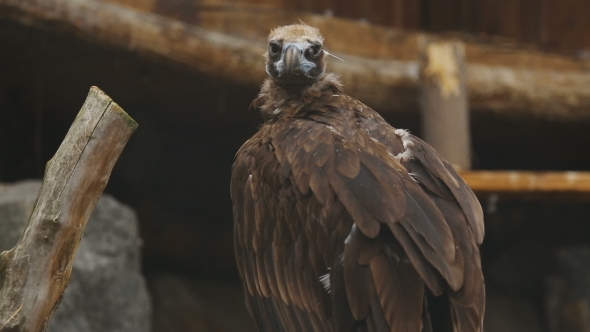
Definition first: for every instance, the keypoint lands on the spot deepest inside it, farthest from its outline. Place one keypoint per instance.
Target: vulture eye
(274, 48)
(315, 50)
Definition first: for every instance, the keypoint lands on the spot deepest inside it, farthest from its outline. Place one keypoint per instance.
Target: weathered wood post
(443, 101)
(34, 274)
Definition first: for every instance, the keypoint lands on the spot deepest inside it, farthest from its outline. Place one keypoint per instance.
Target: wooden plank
(525, 182)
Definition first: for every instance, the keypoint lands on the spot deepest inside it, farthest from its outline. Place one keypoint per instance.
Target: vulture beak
(293, 65)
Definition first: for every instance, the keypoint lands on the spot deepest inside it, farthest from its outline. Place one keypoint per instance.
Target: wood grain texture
(557, 25)
(35, 273)
(443, 101)
(381, 65)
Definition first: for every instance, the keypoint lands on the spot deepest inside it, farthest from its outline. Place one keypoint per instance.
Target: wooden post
(34, 274)
(443, 101)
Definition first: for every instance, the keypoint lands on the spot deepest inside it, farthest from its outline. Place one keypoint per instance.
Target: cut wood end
(96, 91)
(94, 88)
(442, 65)
(126, 117)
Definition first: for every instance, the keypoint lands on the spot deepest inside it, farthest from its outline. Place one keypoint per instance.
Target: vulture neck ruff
(277, 101)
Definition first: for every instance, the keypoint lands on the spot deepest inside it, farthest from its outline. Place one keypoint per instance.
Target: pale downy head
(295, 55)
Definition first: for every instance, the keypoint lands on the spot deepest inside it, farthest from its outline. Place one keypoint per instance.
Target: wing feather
(442, 170)
(425, 219)
(341, 311)
(424, 267)
(378, 322)
(264, 313)
(357, 277)
(363, 219)
(401, 293)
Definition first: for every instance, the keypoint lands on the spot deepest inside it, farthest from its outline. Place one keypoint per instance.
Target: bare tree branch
(34, 274)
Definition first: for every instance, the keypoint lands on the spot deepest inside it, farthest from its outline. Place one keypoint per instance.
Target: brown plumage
(343, 223)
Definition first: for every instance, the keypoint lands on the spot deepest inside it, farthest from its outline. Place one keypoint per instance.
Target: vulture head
(295, 55)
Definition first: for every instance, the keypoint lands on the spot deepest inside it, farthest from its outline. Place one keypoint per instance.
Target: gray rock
(107, 291)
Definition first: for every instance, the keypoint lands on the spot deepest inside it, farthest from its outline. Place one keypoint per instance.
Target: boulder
(107, 291)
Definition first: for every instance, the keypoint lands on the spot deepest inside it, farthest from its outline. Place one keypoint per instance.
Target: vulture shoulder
(344, 223)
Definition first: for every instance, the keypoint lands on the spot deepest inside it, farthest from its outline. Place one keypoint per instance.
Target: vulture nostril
(297, 71)
(280, 66)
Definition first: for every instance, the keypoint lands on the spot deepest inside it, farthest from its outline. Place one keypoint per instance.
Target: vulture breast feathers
(342, 222)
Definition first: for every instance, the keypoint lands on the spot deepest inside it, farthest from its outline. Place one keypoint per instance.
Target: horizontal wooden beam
(380, 67)
(524, 184)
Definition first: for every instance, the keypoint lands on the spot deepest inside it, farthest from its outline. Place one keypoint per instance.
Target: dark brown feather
(363, 219)
(263, 311)
(400, 292)
(424, 218)
(342, 318)
(377, 321)
(463, 194)
(429, 274)
(357, 277)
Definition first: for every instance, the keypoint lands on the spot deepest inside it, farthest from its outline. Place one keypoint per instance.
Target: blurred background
(187, 71)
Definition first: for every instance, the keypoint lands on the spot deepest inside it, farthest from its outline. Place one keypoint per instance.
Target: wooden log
(34, 274)
(381, 70)
(443, 101)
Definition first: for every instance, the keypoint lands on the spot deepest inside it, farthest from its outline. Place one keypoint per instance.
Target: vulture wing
(343, 223)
